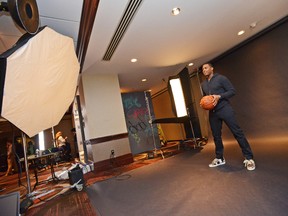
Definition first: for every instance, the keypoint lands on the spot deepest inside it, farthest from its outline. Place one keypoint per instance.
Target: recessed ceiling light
(241, 32)
(134, 60)
(190, 64)
(253, 25)
(175, 11)
(144, 80)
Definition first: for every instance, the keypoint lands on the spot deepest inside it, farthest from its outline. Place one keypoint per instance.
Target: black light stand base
(25, 204)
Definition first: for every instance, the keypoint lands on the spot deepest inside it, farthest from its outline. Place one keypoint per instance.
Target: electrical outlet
(112, 153)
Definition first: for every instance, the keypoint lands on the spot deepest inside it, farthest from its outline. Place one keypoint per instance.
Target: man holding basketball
(222, 89)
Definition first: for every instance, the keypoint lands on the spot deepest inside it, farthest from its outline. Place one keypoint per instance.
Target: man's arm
(228, 93)
(229, 88)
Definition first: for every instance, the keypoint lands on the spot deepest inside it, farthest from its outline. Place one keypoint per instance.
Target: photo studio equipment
(148, 105)
(24, 13)
(37, 81)
(184, 104)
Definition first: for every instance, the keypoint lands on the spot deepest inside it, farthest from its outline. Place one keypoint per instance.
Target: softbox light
(178, 96)
(179, 88)
(38, 80)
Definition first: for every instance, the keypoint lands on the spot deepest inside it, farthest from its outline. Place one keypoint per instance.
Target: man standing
(222, 89)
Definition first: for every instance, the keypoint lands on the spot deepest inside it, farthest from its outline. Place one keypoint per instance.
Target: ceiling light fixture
(134, 60)
(175, 11)
(191, 64)
(253, 25)
(144, 80)
(241, 32)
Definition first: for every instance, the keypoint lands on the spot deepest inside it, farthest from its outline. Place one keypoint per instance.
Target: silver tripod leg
(150, 122)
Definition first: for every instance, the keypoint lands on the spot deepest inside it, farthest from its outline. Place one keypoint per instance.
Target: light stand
(53, 137)
(150, 122)
(192, 129)
(26, 163)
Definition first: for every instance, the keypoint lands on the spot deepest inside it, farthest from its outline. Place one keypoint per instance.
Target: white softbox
(38, 80)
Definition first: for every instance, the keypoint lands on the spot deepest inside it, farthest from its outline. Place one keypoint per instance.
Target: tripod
(150, 123)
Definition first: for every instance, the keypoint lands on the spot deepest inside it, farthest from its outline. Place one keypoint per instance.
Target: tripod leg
(161, 153)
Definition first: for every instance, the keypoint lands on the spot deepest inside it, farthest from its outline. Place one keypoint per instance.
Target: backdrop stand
(150, 123)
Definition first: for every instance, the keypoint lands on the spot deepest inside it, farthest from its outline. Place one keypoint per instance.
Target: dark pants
(66, 151)
(216, 119)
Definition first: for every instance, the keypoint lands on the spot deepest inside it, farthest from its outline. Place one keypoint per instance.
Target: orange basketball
(206, 102)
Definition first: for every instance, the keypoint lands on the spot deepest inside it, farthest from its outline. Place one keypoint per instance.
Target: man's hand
(216, 99)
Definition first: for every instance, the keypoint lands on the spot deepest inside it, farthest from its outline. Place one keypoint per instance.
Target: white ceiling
(162, 43)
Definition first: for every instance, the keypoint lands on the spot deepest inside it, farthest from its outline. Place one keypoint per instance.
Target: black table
(34, 158)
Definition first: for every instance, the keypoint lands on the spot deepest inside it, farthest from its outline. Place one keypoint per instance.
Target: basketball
(206, 102)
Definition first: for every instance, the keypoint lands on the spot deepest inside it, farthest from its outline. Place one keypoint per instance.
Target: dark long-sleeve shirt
(219, 85)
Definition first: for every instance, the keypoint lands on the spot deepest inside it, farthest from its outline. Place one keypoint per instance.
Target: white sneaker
(249, 164)
(217, 162)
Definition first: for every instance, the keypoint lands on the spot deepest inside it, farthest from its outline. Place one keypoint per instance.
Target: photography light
(183, 103)
(178, 96)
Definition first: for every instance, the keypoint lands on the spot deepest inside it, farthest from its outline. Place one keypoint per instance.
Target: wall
(258, 71)
(104, 120)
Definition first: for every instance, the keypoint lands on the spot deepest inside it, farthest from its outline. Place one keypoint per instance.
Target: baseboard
(113, 162)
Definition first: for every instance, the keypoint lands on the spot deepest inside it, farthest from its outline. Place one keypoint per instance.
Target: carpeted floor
(59, 198)
(180, 184)
(185, 185)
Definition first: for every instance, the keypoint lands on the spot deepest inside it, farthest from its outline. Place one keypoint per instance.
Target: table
(34, 158)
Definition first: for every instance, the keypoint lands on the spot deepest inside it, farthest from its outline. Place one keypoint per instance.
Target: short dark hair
(209, 63)
(8, 140)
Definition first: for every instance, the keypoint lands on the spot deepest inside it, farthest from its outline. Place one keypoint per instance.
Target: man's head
(207, 70)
